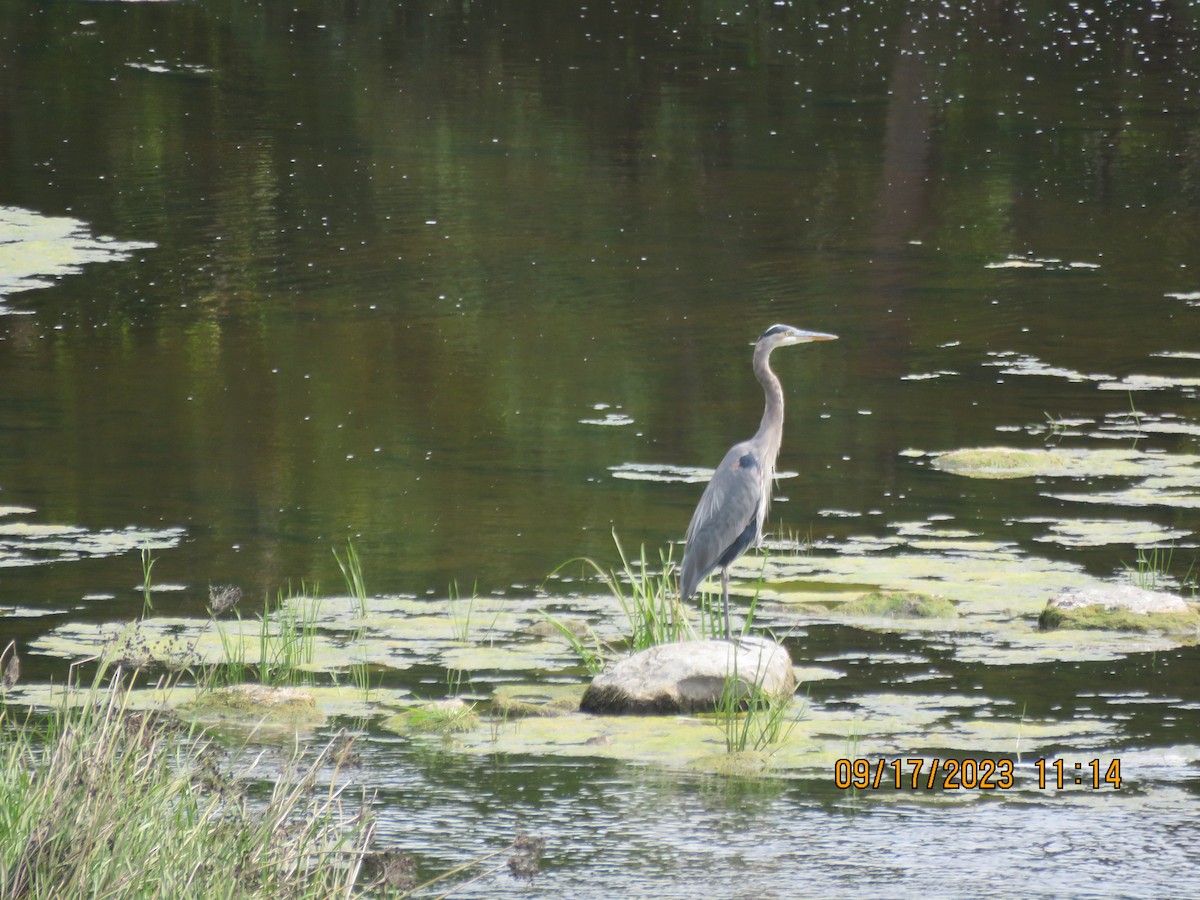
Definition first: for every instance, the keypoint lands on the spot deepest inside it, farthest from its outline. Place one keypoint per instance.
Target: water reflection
(679, 836)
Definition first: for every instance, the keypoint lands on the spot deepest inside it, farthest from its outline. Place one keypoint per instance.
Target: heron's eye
(774, 329)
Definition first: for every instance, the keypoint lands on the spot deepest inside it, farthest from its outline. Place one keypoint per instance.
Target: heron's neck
(770, 430)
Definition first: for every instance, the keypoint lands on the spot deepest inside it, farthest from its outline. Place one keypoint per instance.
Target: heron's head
(783, 335)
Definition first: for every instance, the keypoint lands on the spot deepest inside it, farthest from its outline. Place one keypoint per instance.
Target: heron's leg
(725, 598)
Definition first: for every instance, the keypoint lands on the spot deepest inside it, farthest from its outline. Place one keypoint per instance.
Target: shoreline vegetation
(102, 798)
(98, 799)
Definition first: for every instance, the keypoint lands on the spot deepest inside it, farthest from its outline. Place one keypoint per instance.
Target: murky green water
(473, 285)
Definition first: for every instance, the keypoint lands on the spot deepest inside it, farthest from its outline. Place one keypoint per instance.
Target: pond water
(473, 286)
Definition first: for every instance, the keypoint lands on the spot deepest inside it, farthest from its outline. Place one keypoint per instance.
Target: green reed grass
(356, 587)
(751, 718)
(287, 637)
(287, 634)
(592, 652)
(97, 800)
(460, 611)
(148, 562)
(646, 595)
(1152, 568)
(352, 573)
(649, 601)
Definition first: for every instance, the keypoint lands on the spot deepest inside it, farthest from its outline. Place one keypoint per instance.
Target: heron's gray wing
(727, 509)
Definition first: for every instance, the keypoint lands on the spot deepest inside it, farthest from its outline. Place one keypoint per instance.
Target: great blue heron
(729, 518)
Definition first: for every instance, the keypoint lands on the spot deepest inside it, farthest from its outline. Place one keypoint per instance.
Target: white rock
(689, 676)
(1120, 596)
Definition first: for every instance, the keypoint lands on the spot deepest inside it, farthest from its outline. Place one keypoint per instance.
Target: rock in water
(689, 677)
(1119, 608)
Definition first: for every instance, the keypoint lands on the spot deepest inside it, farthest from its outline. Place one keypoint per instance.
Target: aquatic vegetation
(663, 472)
(1123, 608)
(900, 605)
(286, 642)
(99, 800)
(147, 583)
(288, 647)
(1102, 532)
(998, 590)
(646, 595)
(462, 612)
(750, 718)
(1102, 618)
(444, 717)
(253, 711)
(1166, 479)
(36, 250)
(649, 601)
(536, 699)
(398, 632)
(593, 653)
(353, 575)
(1152, 567)
(999, 462)
(33, 543)
(356, 586)
(10, 674)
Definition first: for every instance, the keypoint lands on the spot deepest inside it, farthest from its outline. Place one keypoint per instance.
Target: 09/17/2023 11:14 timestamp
(972, 774)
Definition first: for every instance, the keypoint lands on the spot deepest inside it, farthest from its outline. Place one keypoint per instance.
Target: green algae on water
(999, 462)
(900, 605)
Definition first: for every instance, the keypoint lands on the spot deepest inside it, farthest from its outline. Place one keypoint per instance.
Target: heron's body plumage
(733, 508)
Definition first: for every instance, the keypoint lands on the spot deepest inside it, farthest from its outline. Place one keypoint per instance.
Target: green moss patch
(445, 717)
(257, 709)
(900, 605)
(1098, 617)
(537, 699)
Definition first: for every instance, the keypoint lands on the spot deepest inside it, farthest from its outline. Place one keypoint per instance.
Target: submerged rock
(257, 699)
(449, 716)
(536, 699)
(1121, 607)
(255, 708)
(689, 677)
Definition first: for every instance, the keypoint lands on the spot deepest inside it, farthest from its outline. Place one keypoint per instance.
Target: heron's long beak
(806, 336)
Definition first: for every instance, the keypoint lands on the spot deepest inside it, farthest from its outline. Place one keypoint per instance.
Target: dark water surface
(395, 263)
